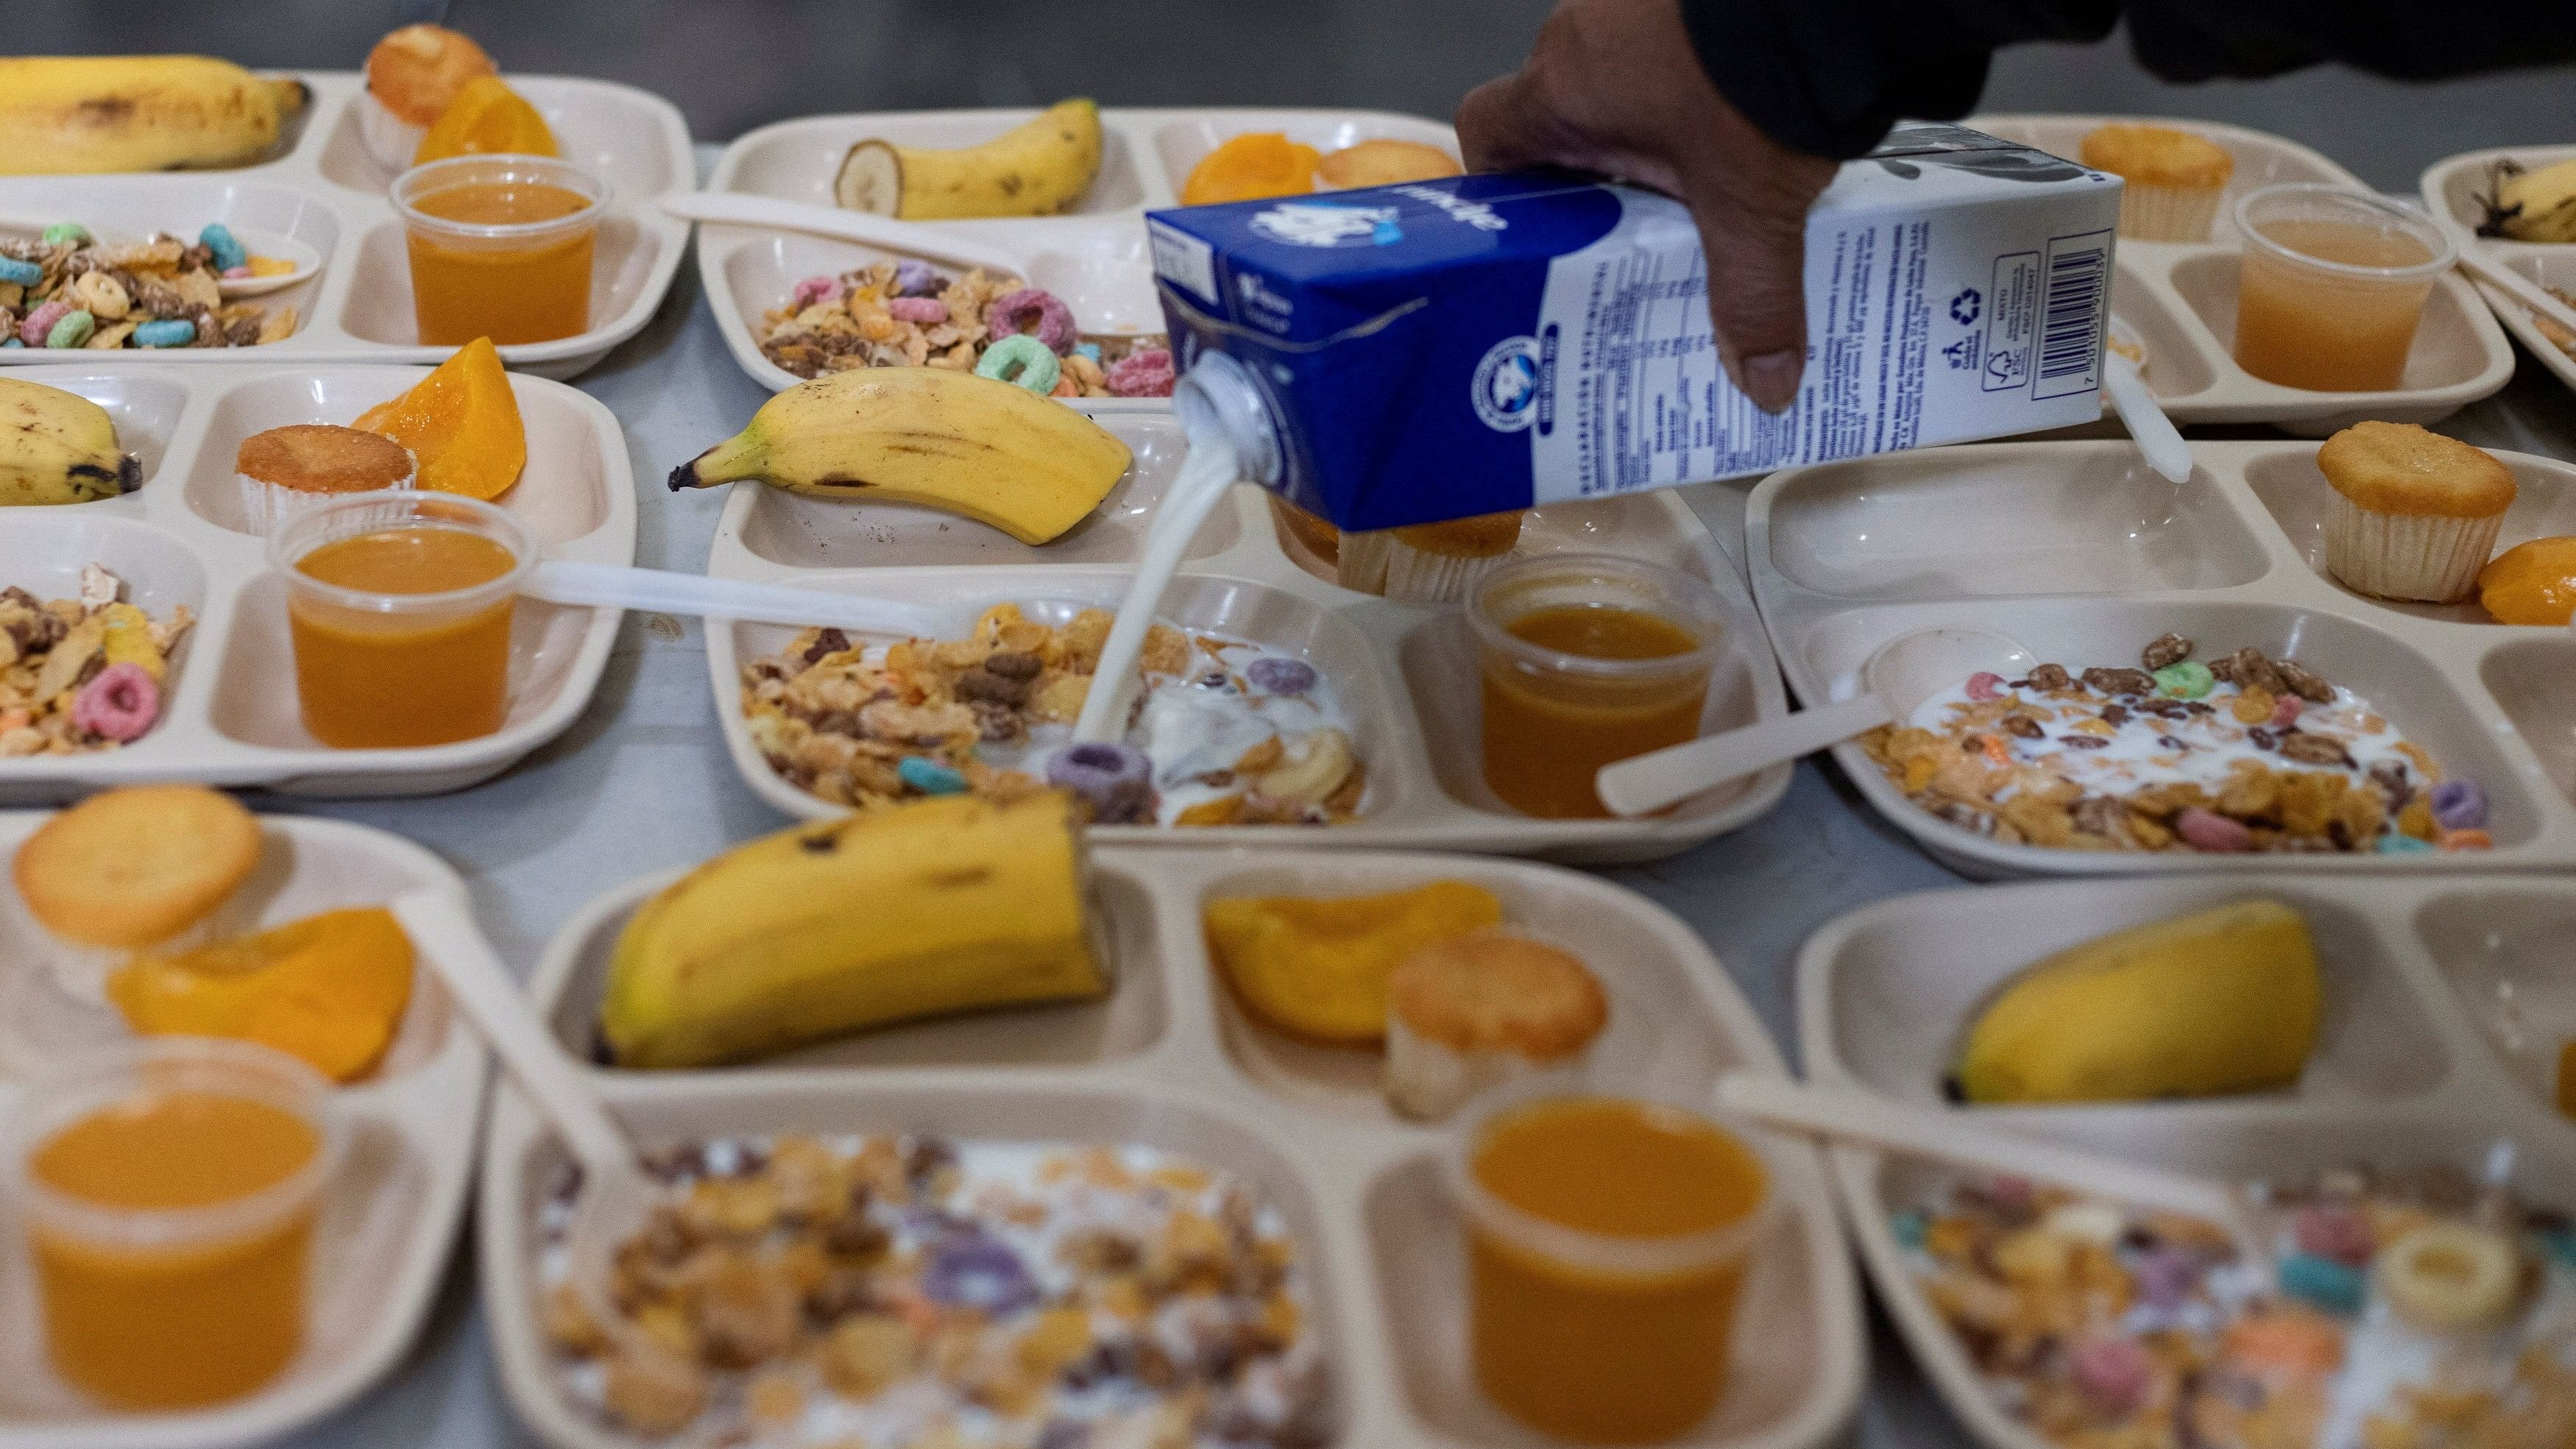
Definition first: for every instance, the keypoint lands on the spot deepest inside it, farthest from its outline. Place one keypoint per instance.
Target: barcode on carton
(1183, 260)
(2070, 329)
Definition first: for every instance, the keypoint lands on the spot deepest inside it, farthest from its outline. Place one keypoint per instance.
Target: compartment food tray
(1407, 673)
(1168, 1059)
(229, 712)
(2451, 188)
(2180, 300)
(387, 1222)
(2083, 554)
(1145, 156)
(2446, 999)
(325, 190)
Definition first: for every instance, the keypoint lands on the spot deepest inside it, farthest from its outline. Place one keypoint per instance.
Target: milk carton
(1407, 354)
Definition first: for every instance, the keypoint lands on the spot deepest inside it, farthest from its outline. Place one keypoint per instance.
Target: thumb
(1757, 257)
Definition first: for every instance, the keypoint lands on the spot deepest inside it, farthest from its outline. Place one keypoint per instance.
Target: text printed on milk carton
(1484, 343)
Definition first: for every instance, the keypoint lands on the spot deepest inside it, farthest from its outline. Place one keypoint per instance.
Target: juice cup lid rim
(1604, 1253)
(2445, 250)
(100, 1077)
(1703, 602)
(598, 194)
(524, 549)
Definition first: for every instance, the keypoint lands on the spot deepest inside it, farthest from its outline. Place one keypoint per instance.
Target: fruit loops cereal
(81, 675)
(914, 1291)
(2241, 753)
(1226, 734)
(2403, 1311)
(907, 314)
(66, 290)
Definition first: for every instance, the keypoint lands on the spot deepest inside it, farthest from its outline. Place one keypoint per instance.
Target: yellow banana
(2221, 1001)
(1036, 169)
(69, 113)
(949, 904)
(2539, 206)
(996, 453)
(59, 447)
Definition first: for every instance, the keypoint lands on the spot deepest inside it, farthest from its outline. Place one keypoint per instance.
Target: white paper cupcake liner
(1363, 561)
(387, 137)
(2432, 559)
(1417, 576)
(2168, 213)
(267, 507)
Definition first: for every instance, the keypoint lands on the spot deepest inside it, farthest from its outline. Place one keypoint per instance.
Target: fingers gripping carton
(1408, 354)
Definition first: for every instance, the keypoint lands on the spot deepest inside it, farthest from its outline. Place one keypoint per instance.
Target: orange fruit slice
(1251, 167)
(2531, 583)
(461, 422)
(487, 117)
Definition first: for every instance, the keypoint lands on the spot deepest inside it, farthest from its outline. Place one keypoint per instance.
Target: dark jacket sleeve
(1830, 76)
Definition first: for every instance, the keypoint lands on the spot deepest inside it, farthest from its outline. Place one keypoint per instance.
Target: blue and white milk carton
(1409, 354)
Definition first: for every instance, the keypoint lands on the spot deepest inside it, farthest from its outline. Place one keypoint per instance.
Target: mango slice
(461, 421)
(1251, 167)
(487, 117)
(330, 989)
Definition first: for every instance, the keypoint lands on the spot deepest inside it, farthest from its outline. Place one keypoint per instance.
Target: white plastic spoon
(2529, 293)
(1951, 1137)
(615, 1199)
(1106, 294)
(1904, 672)
(560, 581)
(2154, 433)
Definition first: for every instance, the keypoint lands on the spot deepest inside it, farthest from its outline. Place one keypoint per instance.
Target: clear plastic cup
(501, 246)
(399, 606)
(2332, 285)
(1560, 701)
(1596, 1336)
(181, 1288)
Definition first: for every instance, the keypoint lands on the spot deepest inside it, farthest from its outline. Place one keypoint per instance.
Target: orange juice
(2303, 327)
(1547, 733)
(1603, 1295)
(535, 292)
(372, 678)
(173, 1325)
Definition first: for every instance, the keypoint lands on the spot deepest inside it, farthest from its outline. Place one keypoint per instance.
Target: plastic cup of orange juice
(169, 1188)
(500, 247)
(2332, 285)
(1587, 659)
(1608, 1233)
(399, 606)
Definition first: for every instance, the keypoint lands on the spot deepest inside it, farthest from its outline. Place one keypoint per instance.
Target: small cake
(1384, 163)
(1473, 1011)
(285, 471)
(2531, 583)
(2173, 179)
(1429, 563)
(413, 75)
(127, 869)
(2415, 513)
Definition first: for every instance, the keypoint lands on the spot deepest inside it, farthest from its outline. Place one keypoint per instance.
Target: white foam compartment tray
(2084, 555)
(2451, 187)
(387, 1221)
(324, 189)
(1406, 674)
(229, 712)
(1168, 1059)
(1145, 156)
(2446, 999)
(2180, 298)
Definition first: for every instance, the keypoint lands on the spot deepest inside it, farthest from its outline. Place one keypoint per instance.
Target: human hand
(1613, 86)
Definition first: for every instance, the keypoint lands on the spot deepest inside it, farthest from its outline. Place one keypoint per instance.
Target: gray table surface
(641, 783)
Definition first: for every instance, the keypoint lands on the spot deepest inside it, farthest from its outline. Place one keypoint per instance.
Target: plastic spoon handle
(2521, 288)
(910, 237)
(2149, 428)
(446, 937)
(559, 581)
(1946, 1135)
(1649, 782)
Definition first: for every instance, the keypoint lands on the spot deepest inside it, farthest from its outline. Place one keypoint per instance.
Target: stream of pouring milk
(1207, 475)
